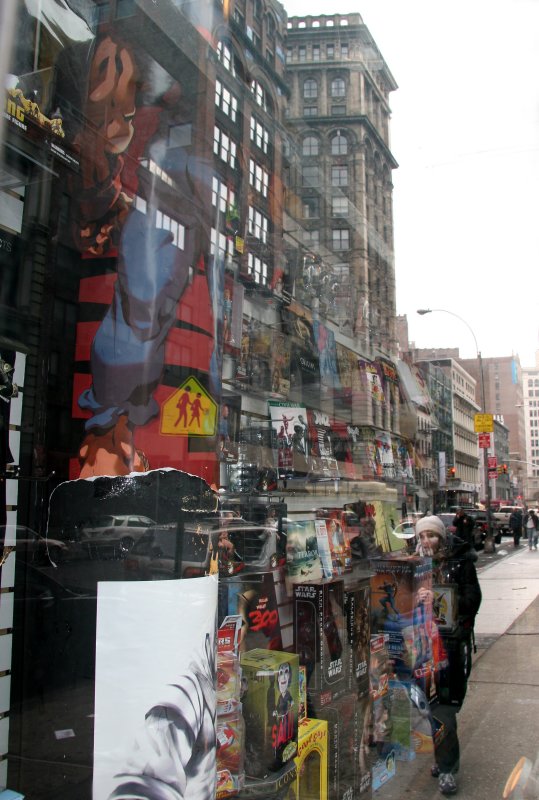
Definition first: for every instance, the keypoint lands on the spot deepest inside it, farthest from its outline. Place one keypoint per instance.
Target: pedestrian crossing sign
(189, 411)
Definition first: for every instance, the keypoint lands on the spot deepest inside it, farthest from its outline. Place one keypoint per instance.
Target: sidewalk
(499, 721)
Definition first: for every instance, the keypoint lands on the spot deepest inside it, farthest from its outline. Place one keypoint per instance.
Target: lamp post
(489, 541)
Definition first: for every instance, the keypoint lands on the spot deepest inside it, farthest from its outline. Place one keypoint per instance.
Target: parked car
(33, 548)
(502, 517)
(114, 535)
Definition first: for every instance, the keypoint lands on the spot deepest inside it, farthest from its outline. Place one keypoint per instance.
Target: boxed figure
(342, 717)
(312, 759)
(230, 727)
(358, 609)
(401, 598)
(320, 639)
(270, 709)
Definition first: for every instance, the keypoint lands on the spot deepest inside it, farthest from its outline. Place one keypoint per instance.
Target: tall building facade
(530, 402)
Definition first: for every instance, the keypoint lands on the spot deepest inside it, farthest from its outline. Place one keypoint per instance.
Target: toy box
(343, 734)
(320, 638)
(444, 606)
(383, 770)
(266, 609)
(358, 609)
(230, 726)
(364, 759)
(270, 709)
(279, 785)
(312, 759)
(380, 667)
(401, 735)
(401, 606)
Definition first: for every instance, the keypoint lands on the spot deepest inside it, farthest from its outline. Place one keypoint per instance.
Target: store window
(210, 410)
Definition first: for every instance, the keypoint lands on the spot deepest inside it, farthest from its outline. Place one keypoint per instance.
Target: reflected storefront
(206, 469)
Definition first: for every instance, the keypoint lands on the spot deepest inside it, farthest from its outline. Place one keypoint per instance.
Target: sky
(465, 133)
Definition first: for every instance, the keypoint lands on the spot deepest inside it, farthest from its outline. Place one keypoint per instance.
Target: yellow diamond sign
(189, 411)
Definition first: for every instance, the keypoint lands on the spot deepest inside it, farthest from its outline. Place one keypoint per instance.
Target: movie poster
(155, 659)
(290, 426)
(323, 462)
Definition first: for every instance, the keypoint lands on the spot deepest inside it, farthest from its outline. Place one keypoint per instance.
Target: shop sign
(483, 423)
(484, 440)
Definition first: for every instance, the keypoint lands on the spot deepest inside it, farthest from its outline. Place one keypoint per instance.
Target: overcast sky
(465, 132)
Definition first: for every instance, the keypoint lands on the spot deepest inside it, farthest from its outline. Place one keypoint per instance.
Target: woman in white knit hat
(453, 562)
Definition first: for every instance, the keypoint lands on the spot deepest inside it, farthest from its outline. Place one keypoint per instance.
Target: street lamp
(422, 312)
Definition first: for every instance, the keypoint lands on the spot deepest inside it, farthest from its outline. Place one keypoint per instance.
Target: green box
(270, 709)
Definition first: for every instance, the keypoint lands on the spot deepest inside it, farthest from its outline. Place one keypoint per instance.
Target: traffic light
(504, 469)
(451, 472)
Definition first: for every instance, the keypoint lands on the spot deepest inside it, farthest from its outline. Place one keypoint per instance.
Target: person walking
(515, 525)
(532, 526)
(464, 525)
(452, 563)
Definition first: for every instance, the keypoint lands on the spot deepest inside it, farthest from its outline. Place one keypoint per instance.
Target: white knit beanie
(431, 523)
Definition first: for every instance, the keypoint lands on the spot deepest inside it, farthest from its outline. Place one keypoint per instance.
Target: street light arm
(423, 311)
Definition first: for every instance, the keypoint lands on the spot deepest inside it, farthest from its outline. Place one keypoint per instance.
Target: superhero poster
(290, 426)
(155, 659)
(147, 371)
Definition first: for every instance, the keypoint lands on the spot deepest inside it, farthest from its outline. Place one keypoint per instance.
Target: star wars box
(358, 609)
(342, 717)
(270, 709)
(401, 607)
(320, 639)
(380, 667)
(312, 759)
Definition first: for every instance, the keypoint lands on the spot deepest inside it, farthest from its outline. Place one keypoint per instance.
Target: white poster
(155, 701)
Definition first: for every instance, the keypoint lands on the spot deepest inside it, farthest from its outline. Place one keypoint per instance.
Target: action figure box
(401, 737)
(358, 608)
(364, 758)
(230, 726)
(342, 717)
(266, 609)
(320, 638)
(312, 759)
(270, 709)
(401, 606)
(380, 666)
(383, 769)
(279, 785)
(444, 606)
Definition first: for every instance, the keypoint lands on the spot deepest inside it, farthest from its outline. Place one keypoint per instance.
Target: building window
(316, 52)
(226, 101)
(339, 145)
(258, 9)
(259, 135)
(258, 177)
(222, 197)
(338, 110)
(260, 95)
(311, 239)
(221, 245)
(257, 269)
(310, 111)
(258, 224)
(224, 147)
(330, 51)
(224, 54)
(289, 54)
(302, 53)
(339, 206)
(310, 89)
(344, 50)
(311, 207)
(338, 87)
(340, 239)
(310, 146)
(311, 176)
(339, 176)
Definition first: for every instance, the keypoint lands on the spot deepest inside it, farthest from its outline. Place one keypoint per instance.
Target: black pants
(447, 751)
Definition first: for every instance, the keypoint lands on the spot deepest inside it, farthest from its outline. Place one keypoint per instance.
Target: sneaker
(447, 783)
(435, 771)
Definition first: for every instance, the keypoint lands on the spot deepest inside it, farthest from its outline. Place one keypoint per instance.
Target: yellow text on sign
(483, 423)
(189, 411)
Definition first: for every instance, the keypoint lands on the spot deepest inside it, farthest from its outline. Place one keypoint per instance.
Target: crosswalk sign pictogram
(189, 411)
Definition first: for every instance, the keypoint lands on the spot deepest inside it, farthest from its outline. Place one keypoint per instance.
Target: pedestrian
(464, 526)
(452, 563)
(532, 524)
(515, 525)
